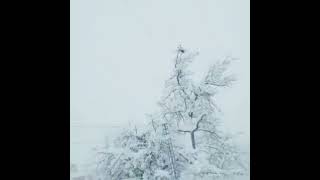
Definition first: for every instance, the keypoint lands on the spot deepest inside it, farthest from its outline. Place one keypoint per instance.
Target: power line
(84, 143)
(93, 126)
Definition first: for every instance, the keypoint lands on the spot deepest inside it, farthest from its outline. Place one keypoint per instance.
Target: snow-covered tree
(182, 140)
(148, 155)
(189, 105)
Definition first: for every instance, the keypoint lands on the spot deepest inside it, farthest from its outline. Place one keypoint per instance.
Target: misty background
(122, 52)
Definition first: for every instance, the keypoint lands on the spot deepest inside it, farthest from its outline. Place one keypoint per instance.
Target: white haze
(122, 52)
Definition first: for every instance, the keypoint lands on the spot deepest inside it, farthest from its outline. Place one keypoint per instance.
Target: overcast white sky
(122, 52)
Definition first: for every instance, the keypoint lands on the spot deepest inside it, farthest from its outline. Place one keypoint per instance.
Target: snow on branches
(182, 140)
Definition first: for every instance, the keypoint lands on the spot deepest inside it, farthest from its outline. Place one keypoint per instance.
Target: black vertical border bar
(66, 50)
(36, 130)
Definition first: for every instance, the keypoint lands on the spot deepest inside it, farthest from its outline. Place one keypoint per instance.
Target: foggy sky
(122, 52)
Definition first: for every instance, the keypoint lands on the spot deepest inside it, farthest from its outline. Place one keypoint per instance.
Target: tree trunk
(193, 140)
